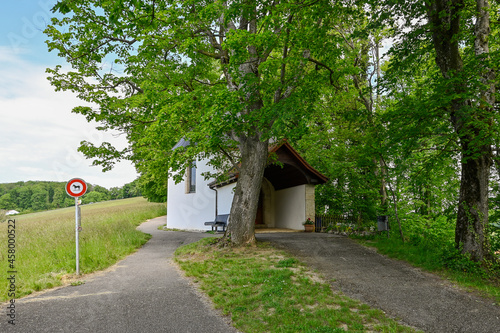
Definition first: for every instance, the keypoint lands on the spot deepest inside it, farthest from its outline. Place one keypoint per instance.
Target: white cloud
(39, 135)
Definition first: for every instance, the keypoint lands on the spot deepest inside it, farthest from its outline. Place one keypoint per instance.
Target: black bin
(383, 223)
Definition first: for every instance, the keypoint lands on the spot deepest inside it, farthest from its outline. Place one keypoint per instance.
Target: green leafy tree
(93, 197)
(24, 197)
(339, 147)
(227, 76)
(132, 189)
(39, 198)
(105, 195)
(461, 39)
(50, 190)
(345, 132)
(116, 193)
(154, 188)
(6, 202)
(60, 197)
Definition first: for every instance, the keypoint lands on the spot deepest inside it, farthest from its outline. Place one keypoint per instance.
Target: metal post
(76, 237)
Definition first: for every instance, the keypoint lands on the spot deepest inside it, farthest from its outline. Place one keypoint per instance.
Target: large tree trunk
(473, 204)
(241, 227)
(476, 161)
(470, 121)
(254, 152)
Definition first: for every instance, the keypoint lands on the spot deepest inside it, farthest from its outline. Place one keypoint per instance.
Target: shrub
(495, 237)
(455, 260)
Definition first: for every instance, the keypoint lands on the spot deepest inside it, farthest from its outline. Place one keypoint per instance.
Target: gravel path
(416, 298)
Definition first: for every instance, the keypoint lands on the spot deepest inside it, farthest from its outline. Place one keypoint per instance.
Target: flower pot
(308, 227)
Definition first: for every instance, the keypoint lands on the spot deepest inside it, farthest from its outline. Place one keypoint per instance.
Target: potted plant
(308, 225)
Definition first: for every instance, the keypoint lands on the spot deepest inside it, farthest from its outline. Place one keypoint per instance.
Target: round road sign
(76, 187)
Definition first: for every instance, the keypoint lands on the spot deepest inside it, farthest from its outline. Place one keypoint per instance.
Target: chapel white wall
(290, 211)
(190, 210)
(225, 198)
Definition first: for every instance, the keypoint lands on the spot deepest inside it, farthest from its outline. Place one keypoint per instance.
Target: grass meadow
(45, 242)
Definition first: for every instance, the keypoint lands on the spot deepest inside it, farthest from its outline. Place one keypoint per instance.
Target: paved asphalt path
(142, 293)
(417, 298)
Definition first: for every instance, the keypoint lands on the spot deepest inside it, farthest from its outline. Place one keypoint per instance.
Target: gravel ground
(408, 294)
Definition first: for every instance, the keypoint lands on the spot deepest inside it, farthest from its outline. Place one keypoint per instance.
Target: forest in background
(32, 196)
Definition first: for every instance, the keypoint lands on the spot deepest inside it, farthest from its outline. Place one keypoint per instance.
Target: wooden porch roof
(289, 171)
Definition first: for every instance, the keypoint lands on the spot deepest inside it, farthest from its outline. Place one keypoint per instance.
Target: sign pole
(77, 236)
(75, 188)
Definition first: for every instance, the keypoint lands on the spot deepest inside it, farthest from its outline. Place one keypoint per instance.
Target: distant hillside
(34, 196)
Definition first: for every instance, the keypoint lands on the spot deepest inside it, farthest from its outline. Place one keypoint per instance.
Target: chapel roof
(182, 143)
(291, 170)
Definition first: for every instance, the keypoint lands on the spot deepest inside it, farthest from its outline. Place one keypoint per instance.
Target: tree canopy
(413, 126)
(226, 76)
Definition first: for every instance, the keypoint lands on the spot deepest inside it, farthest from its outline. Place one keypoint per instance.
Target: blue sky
(39, 135)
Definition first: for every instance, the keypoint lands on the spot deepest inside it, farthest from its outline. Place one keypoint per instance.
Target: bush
(455, 260)
(495, 237)
(419, 229)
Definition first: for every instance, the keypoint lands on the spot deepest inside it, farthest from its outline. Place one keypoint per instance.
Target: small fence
(332, 222)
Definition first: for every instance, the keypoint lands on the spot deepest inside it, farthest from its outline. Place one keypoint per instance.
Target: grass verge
(266, 290)
(45, 242)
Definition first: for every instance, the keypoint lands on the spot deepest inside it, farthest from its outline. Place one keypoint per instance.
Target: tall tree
(39, 197)
(458, 34)
(344, 133)
(226, 75)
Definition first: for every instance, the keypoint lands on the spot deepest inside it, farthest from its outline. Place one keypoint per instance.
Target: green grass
(443, 260)
(45, 242)
(266, 290)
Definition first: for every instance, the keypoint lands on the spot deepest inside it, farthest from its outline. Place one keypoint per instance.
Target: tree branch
(210, 54)
(230, 158)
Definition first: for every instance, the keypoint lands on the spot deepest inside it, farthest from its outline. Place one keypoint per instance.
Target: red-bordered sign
(76, 187)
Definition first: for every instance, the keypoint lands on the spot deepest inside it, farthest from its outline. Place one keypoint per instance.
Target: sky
(39, 135)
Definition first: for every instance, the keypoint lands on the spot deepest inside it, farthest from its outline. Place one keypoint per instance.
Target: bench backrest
(222, 218)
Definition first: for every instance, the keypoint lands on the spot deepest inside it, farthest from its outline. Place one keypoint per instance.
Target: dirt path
(416, 298)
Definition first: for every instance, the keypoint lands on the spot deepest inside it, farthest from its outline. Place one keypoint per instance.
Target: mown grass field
(45, 242)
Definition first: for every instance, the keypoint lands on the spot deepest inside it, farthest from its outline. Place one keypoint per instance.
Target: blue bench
(220, 221)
